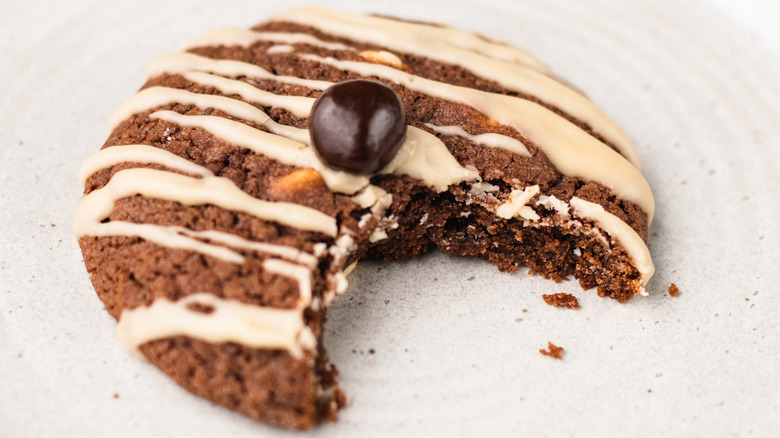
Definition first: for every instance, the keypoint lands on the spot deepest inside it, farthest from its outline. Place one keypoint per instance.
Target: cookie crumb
(116, 395)
(673, 290)
(568, 301)
(552, 351)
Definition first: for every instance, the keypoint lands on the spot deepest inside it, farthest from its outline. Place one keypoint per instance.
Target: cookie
(238, 187)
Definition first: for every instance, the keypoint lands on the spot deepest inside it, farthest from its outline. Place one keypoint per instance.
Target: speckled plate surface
(439, 346)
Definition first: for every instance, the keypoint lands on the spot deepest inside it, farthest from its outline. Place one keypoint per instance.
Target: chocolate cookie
(217, 228)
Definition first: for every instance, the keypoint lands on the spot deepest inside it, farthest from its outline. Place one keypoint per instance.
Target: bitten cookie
(237, 187)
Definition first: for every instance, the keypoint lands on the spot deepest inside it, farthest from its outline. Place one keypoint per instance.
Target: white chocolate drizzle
(280, 48)
(516, 206)
(435, 42)
(509, 67)
(228, 321)
(490, 139)
(297, 105)
(619, 231)
(234, 241)
(553, 203)
(423, 156)
(279, 148)
(300, 274)
(138, 153)
(572, 151)
(369, 196)
(637, 192)
(174, 236)
(188, 62)
(345, 183)
(158, 96)
(98, 205)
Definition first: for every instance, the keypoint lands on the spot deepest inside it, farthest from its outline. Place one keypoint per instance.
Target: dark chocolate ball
(357, 126)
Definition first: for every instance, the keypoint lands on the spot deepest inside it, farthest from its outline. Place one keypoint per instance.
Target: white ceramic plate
(438, 346)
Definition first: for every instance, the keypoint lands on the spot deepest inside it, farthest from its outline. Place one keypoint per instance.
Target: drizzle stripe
(221, 192)
(425, 157)
(153, 97)
(297, 105)
(488, 139)
(478, 55)
(620, 231)
(138, 153)
(300, 274)
(167, 236)
(230, 321)
(285, 252)
(187, 62)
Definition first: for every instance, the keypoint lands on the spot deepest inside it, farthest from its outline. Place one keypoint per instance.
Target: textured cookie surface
(217, 238)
